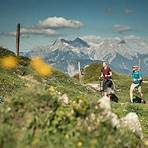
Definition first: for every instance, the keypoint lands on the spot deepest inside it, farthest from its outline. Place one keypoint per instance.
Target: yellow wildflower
(146, 142)
(79, 144)
(9, 62)
(41, 67)
(52, 89)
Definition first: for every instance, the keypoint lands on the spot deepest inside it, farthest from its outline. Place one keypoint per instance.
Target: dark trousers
(107, 83)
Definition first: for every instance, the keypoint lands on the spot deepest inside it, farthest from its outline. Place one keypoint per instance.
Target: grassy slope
(122, 83)
(33, 116)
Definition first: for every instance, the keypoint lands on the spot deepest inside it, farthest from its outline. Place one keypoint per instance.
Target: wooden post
(79, 68)
(139, 63)
(17, 39)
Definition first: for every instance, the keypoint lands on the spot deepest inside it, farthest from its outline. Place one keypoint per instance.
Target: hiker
(106, 74)
(136, 83)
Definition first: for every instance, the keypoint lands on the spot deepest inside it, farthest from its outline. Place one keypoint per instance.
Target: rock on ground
(131, 121)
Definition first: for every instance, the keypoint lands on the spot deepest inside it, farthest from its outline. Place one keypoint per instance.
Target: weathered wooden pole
(79, 69)
(17, 39)
(139, 63)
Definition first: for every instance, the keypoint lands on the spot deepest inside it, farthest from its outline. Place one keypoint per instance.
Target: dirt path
(30, 80)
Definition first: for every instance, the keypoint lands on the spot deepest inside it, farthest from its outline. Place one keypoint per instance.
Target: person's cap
(135, 67)
(104, 61)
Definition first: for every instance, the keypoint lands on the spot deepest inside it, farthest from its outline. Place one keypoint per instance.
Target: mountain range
(121, 53)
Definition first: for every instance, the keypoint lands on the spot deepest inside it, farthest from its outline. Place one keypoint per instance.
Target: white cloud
(128, 11)
(13, 34)
(122, 28)
(8, 33)
(47, 27)
(34, 31)
(59, 22)
(26, 32)
(91, 38)
(131, 37)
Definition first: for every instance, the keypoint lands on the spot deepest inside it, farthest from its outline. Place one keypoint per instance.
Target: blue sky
(43, 21)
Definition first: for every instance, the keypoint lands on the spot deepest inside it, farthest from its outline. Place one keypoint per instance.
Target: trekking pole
(114, 86)
(101, 84)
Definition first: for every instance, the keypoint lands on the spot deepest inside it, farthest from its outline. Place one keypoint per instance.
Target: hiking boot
(143, 101)
(131, 101)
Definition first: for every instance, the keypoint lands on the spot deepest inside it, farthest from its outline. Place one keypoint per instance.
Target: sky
(43, 21)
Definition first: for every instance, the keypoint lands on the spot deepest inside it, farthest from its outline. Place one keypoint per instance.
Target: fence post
(17, 39)
(79, 68)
